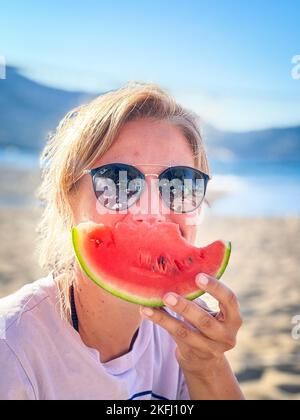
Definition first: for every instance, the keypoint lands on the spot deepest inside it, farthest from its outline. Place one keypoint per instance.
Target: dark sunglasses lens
(117, 187)
(183, 189)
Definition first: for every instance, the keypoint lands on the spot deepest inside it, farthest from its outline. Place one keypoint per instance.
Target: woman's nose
(149, 206)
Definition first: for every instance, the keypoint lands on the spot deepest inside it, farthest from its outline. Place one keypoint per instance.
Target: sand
(263, 271)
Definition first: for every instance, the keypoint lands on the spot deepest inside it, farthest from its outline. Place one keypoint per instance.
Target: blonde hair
(82, 137)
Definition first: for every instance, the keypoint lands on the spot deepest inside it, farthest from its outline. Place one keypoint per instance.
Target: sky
(228, 60)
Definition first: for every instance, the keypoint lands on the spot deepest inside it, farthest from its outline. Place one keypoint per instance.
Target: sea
(253, 188)
(256, 188)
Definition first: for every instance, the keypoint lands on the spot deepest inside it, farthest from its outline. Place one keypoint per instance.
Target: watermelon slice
(140, 262)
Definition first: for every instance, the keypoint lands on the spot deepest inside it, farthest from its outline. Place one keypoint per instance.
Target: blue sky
(229, 60)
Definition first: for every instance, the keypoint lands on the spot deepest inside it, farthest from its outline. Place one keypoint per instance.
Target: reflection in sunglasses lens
(117, 191)
(181, 189)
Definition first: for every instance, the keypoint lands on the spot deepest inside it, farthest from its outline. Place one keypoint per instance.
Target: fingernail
(147, 311)
(202, 279)
(171, 299)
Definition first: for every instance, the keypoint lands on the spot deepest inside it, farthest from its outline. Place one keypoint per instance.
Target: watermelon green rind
(130, 297)
(225, 260)
(195, 295)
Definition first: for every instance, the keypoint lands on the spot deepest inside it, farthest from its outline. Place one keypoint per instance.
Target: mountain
(29, 110)
(277, 144)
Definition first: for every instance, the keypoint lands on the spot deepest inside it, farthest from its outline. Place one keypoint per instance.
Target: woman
(66, 338)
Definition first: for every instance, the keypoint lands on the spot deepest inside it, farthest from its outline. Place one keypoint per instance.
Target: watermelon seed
(161, 261)
(190, 260)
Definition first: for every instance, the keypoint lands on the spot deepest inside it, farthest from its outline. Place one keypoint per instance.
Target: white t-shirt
(42, 357)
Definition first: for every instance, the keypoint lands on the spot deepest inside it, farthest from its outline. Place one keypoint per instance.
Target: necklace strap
(74, 316)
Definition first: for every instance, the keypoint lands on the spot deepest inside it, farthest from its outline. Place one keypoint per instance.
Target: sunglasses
(118, 186)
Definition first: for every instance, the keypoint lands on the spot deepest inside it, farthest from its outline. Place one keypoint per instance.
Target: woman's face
(151, 146)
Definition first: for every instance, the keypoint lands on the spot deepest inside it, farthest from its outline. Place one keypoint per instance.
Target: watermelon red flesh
(140, 262)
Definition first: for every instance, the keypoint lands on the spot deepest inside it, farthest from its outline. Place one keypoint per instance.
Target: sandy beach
(263, 271)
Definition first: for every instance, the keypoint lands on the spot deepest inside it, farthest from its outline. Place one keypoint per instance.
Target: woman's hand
(202, 338)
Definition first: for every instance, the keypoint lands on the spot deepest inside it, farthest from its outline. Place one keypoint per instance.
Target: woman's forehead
(147, 143)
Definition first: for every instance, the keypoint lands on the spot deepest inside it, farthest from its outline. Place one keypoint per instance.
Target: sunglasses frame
(93, 172)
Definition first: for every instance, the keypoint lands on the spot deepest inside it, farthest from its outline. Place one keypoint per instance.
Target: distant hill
(29, 110)
(278, 144)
